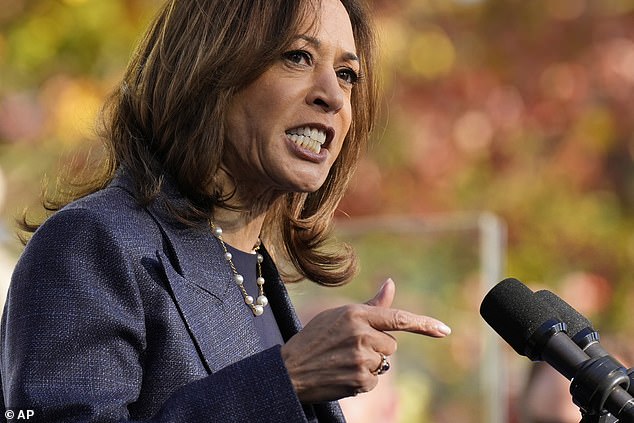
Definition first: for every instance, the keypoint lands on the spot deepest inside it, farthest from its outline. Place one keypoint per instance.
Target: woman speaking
(151, 293)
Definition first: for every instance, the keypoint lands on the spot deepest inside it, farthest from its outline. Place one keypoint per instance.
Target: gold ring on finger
(383, 367)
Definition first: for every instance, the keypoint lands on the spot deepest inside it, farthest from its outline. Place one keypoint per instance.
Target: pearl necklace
(257, 306)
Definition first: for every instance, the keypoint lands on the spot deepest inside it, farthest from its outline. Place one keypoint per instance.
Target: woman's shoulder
(110, 213)
(114, 201)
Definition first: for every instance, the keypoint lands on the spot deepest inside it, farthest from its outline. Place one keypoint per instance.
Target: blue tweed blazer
(116, 313)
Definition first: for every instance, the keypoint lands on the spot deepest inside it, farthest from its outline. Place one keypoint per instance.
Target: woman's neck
(240, 229)
(241, 221)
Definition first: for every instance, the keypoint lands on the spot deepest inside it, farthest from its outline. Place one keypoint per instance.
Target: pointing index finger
(391, 319)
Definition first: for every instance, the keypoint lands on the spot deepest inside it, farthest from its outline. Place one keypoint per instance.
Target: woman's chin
(311, 186)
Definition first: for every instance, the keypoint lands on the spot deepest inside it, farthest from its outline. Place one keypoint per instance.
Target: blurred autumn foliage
(520, 108)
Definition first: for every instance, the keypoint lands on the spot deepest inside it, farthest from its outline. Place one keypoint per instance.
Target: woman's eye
(348, 76)
(299, 57)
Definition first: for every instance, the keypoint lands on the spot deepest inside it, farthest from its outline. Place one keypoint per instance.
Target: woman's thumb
(385, 296)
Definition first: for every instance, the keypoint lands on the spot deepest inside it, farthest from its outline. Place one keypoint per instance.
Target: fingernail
(444, 329)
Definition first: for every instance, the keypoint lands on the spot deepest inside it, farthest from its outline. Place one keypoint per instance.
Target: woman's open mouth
(308, 137)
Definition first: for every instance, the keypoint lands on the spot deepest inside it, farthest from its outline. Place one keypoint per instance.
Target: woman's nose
(326, 92)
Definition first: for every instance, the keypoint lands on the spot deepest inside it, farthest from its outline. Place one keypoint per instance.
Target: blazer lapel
(218, 325)
(201, 282)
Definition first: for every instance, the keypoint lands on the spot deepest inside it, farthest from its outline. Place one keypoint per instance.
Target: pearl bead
(248, 299)
(228, 256)
(258, 310)
(260, 258)
(218, 231)
(262, 300)
(238, 279)
(260, 280)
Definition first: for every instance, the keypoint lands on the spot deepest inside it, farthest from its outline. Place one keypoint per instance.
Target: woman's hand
(338, 353)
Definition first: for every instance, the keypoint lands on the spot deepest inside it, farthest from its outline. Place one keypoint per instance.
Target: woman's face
(286, 128)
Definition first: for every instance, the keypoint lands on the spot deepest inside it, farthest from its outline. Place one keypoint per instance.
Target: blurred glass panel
(442, 267)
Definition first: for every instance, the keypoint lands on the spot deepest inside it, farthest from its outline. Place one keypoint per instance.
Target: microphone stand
(594, 388)
(588, 340)
(604, 417)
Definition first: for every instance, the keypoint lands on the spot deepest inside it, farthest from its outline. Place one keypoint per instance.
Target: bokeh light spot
(432, 53)
(473, 131)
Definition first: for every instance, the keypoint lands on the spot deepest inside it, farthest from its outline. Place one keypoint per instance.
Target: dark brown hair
(166, 119)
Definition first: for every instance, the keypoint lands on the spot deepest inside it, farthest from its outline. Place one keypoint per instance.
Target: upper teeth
(306, 137)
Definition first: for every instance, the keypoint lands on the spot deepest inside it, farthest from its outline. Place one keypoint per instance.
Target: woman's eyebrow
(317, 43)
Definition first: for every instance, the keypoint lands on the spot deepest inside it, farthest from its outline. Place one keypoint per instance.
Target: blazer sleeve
(73, 339)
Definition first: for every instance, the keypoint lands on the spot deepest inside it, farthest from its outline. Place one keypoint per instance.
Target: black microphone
(583, 334)
(533, 328)
(579, 328)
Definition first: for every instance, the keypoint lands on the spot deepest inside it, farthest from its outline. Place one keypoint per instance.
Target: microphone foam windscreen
(575, 321)
(514, 312)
